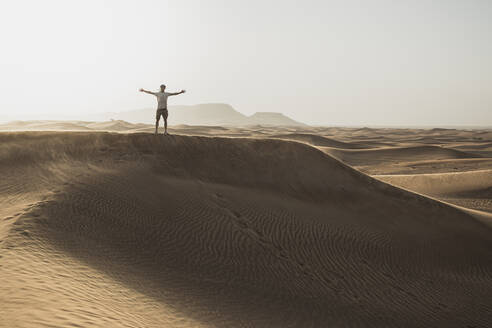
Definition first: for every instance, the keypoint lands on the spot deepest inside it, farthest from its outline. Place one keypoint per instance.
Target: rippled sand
(134, 230)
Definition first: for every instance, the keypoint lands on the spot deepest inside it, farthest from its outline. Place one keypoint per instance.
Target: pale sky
(338, 62)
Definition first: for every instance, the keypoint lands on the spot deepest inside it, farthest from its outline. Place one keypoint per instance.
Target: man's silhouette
(162, 105)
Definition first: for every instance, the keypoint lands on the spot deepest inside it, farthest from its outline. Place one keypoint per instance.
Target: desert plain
(104, 224)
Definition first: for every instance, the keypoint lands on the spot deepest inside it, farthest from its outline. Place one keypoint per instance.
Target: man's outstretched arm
(149, 92)
(177, 93)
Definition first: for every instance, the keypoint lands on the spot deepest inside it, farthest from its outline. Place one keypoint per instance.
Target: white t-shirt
(162, 99)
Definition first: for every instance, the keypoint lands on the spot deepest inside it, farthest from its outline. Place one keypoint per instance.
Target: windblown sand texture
(244, 227)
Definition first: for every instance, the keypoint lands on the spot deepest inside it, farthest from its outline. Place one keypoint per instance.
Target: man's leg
(164, 116)
(157, 123)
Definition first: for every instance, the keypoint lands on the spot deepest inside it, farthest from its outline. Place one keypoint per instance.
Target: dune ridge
(198, 231)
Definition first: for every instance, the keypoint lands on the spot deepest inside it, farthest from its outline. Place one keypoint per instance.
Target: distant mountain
(204, 114)
(271, 118)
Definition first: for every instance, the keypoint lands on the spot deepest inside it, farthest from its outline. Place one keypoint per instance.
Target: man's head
(163, 87)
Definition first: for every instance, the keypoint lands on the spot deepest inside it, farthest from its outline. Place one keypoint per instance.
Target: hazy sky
(322, 62)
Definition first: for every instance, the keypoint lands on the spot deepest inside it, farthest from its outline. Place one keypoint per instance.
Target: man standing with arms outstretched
(162, 105)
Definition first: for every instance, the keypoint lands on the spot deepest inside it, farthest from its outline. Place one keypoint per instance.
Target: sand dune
(116, 125)
(428, 166)
(317, 140)
(44, 126)
(397, 154)
(106, 229)
(471, 189)
(480, 148)
(459, 176)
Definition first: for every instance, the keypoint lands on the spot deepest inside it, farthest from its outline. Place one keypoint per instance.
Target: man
(162, 105)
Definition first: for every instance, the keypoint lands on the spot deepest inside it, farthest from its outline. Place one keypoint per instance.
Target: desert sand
(106, 225)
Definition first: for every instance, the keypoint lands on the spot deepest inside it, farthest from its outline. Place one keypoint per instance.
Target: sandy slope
(397, 154)
(101, 229)
(428, 166)
(317, 140)
(461, 178)
(471, 189)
